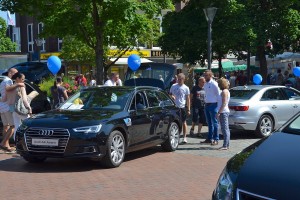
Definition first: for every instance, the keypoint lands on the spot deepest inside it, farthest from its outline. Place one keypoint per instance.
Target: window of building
(40, 30)
(30, 38)
(60, 42)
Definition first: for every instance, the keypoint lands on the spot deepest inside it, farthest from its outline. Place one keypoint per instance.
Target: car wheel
(172, 141)
(115, 151)
(33, 159)
(265, 126)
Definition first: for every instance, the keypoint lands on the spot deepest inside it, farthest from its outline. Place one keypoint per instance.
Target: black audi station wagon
(102, 123)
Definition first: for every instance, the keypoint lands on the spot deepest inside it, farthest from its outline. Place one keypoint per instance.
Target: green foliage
(68, 83)
(6, 45)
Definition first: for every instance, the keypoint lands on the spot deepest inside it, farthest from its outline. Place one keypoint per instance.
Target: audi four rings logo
(46, 132)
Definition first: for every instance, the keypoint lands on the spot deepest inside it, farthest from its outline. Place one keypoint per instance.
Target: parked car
(34, 71)
(268, 169)
(102, 123)
(39, 104)
(262, 108)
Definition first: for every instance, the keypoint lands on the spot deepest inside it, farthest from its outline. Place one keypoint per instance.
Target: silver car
(262, 108)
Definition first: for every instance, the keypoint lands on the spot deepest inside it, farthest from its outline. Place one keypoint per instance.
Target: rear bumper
(242, 123)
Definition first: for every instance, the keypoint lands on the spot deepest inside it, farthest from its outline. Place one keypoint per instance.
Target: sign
(45, 56)
(142, 53)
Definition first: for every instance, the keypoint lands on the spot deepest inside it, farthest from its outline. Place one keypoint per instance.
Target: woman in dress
(21, 92)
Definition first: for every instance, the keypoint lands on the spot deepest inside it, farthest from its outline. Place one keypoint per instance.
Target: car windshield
(242, 94)
(106, 98)
(293, 127)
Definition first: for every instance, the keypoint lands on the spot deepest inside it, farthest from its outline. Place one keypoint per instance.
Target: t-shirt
(57, 95)
(180, 92)
(198, 100)
(109, 83)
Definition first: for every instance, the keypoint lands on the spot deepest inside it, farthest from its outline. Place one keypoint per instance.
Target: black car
(39, 104)
(102, 123)
(268, 169)
(34, 71)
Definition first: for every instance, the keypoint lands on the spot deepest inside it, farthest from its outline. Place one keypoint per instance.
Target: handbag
(19, 105)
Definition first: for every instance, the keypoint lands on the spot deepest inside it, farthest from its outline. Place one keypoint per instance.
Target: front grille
(47, 134)
(244, 195)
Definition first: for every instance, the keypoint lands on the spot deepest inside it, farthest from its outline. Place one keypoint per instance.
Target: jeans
(212, 122)
(225, 128)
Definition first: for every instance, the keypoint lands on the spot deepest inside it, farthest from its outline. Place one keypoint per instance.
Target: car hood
(69, 118)
(271, 170)
(145, 82)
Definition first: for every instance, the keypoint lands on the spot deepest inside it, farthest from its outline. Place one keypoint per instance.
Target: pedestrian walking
(7, 88)
(59, 93)
(212, 93)
(223, 111)
(198, 104)
(181, 94)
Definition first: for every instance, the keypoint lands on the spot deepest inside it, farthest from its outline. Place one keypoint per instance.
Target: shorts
(183, 114)
(198, 115)
(7, 119)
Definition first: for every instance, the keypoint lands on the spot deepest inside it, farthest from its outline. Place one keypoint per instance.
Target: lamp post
(39, 43)
(209, 14)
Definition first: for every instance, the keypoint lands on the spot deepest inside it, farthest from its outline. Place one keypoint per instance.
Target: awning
(227, 67)
(123, 61)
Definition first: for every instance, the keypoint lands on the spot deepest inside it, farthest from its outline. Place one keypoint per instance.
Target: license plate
(45, 142)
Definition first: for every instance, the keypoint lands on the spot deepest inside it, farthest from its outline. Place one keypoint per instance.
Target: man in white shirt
(8, 96)
(181, 94)
(212, 93)
(114, 77)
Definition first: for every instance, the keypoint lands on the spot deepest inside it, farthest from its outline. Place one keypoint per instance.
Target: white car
(262, 108)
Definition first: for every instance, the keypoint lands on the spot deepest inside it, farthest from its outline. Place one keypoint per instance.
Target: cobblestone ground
(189, 173)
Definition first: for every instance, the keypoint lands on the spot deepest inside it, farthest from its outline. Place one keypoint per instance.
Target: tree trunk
(263, 63)
(220, 69)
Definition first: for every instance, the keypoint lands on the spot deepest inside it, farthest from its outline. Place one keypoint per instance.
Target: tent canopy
(228, 66)
(123, 61)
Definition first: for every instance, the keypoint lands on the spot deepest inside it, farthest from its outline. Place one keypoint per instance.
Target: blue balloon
(134, 62)
(296, 71)
(257, 79)
(54, 64)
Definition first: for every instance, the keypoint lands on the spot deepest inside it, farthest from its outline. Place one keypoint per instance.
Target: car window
(272, 94)
(101, 99)
(242, 94)
(292, 94)
(164, 98)
(293, 127)
(152, 98)
(138, 101)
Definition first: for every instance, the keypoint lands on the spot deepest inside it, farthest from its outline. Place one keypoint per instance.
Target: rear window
(242, 94)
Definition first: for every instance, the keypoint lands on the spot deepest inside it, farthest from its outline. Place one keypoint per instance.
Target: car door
(278, 105)
(156, 115)
(140, 120)
(293, 97)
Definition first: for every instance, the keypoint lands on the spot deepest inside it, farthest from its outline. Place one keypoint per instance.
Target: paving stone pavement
(189, 173)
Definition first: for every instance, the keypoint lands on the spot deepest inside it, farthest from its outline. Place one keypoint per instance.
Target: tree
(238, 26)
(92, 21)
(6, 45)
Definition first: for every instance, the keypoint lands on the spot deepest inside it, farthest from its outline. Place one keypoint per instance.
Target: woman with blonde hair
(223, 111)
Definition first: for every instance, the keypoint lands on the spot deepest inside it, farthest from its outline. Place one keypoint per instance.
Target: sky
(4, 16)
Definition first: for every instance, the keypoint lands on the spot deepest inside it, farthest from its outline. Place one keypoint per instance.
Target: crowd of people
(208, 100)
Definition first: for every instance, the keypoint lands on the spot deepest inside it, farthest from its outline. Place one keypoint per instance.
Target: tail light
(239, 108)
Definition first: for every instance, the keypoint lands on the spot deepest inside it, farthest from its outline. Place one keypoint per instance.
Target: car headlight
(224, 186)
(88, 129)
(22, 127)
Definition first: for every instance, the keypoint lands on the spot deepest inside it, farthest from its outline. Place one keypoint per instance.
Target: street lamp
(209, 14)
(39, 43)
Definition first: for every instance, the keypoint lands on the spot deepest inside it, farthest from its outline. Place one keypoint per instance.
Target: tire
(115, 150)
(172, 141)
(33, 159)
(265, 126)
